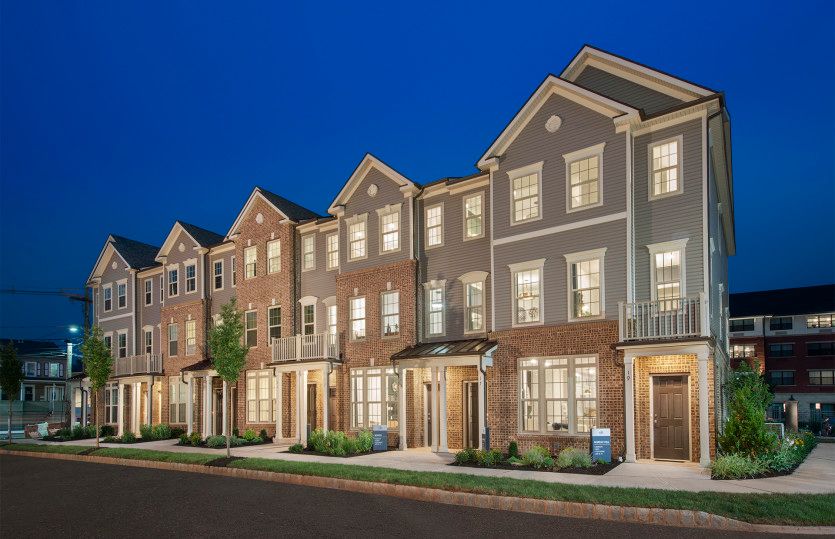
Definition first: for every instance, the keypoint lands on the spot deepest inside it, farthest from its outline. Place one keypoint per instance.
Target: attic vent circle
(372, 190)
(181, 247)
(259, 218)
(114, 265)
(553, 123)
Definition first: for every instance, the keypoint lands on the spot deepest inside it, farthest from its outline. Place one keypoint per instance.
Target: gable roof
(783, 302)
(135, 254)
(368, 162)
(565, 88)
(287, 209)
(200, 236)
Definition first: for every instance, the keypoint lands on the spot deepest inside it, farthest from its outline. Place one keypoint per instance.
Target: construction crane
(69, 293)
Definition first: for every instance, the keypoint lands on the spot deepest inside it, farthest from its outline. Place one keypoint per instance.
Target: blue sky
(122, 117)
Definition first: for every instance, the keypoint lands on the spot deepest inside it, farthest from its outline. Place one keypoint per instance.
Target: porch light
(817, 406)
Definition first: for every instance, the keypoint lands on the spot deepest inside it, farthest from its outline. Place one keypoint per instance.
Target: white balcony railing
(663, 319)
(306, 347)
(142, 364)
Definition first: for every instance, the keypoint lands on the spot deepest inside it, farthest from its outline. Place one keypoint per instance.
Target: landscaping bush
(745, 432)
(513, 450)
(219, 441)
(249, 435)
(128, 437)
(338, 443)
(573, 458)
(162, 432)
(790, 453)
(194, 439)
(176, 432)
(296, 448)
(146, 432)
(111, 439)
(184, 440)
(263, 435)
(106, 430)
(489, 458)
(365, 441)
(736, 467)
(538, 457)
(466, 456)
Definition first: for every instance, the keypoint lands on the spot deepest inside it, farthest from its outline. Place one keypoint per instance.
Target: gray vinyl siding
(388, 192)
(149, 315)
(220, 297)
(177, 257)
(553, 249)
(625, 91)
(319, 283)
(125, 320)
(581, 128)
(718, 253)
(674, 217)
(453, 259)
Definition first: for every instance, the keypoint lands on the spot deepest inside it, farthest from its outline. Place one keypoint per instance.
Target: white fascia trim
(468, 185)
(582, 256)
(308, 300)
(360, 172)
(116, 317)
(104, 256)
(561, 228)
(222, 248)
(473, 277)
(577, 155)
(255, 192)
(673, 118)
(174, 266)
(518, 173)
(664, 246)
(173, 234)
(584, 152)
(679, 140)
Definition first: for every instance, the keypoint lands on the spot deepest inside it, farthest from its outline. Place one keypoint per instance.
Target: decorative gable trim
(104, 255)
(407, 186)
(255, 195)
(170, 240)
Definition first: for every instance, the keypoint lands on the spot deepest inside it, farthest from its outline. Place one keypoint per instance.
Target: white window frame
(254, 263)
(350, 222)
(119, 334)
(480, 196)
(260, 396)
(427, 228)
(585, 256)
(274, 262)
(665, 247)
(191, 337)
(308, 302)
(147, 345)
(534, 168)
(530, 265)
(149, 291)
(175, 269)
(270, 325)
(234, 271)
(332, 251)
(571, 397)
(191, 282)
(384, 315)
(744, 347)
(177, 400)
(820, 376)
(107, 339)
(247, 329)
(176, 340)
(382, 214)
(679, 140)
(122, 298)
(107, 290)
(351, 320)
(429, 288)
(309, 241)
(581, 155)
(470, 278)
(333, 314)
(359, 407)
(215, 274)
(30, 369)
(111, 404)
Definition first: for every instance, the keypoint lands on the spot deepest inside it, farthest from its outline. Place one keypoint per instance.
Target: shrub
(517, 461)
(194, 439)
(162, 432)
(263, 435)
(349, 446)
(146, 432)
(736, 467)
(573, 458)
(176, 432)
(79, 432)
(365, 441)
(790, 453)
(184, 439)
(513, 449)
(106, 430)
(745, 432)
(128, 437)
(64, 433)
(91, 431)
(466, 456)
(218, 441)
(235, 432)
(249, 435)
(296, 448)
(538, 457)
(489, 458)
(110, 439)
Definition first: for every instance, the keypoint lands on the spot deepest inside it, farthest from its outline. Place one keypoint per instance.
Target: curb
(636, 515)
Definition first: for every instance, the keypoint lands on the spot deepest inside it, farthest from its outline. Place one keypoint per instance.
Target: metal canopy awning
(446, 349)
(202, 365)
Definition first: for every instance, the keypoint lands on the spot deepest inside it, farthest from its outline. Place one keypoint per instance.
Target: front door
(671, 415)
(471, 414)
(217, 411)
(311, 406)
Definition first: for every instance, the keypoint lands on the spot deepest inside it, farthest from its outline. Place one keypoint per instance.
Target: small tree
(11, 375)
(228, 351)
(98, 363)
(745, 432)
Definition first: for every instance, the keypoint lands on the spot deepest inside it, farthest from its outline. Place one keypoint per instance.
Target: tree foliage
(98, 364)
(745, 432)
(11, 376)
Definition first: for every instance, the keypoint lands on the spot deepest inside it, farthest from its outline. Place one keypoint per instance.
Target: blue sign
(380, 435)
(601, 445)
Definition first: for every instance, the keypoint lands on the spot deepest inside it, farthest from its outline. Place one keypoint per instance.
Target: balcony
(663, 319)
(142, 364)
(306, 347)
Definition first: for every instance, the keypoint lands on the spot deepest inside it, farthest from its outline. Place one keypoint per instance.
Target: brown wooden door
(471, 412)
(311, 406)
(671, 415)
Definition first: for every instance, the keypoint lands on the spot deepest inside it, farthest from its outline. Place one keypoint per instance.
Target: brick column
(482, 407)
(325, 395)
(279, 406)
(442, 405)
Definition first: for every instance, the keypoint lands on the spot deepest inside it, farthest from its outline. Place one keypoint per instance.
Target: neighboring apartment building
(44, 366)
(790, 333)
(577, 279)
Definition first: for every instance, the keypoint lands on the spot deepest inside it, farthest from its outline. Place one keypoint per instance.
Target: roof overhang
(255, 195)
(104, 255)
(173, 234)
(719, 128)
(368, 162)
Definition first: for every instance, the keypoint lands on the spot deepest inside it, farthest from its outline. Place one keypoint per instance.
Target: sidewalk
(815, 476)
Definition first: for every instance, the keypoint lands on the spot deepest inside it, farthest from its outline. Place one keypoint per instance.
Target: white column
(225, 414)
(210, 425)
(433, 377)
(401, 408)
(325, 395)
(299, 406)
(629, 405)
(149, 400)
(190, 406)
(704, 419)
(443, 411)
(279, 408)
(303, 407)
(120, 412)
(204, 422)
(482, 406)
(134, 407)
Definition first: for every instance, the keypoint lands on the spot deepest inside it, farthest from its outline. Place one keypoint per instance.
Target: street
(40, 497)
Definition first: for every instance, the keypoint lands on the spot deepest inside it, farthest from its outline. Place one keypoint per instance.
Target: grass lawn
(791, 509)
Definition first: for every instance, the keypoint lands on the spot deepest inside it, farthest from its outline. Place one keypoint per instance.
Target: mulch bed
(598, 469)
(310, 452)
(223, 461)
(203, 444)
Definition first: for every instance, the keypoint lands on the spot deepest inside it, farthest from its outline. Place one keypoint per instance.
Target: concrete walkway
(815, 476)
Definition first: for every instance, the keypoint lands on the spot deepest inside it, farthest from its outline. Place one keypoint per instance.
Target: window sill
(662, 196)
(583, 208)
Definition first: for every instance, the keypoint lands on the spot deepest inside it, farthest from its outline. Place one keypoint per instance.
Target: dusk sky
(119, 118)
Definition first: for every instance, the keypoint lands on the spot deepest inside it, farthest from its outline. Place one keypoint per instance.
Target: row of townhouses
(577, 279)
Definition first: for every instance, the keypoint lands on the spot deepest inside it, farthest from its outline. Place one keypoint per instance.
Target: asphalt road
(40, 497)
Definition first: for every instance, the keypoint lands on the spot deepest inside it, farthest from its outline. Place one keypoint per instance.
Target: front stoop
(637, 515)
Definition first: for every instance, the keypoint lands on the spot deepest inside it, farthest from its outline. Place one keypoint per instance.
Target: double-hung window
(585, 277)
(822, 378)
(435, 293)
(435, 225)
(332, 247)
(111, 404)
(474, 306)
(274, 322)
(741, 324)
(527, 292)
(781, 350)
(309, 252)
(149, 341)
(217, 273)
(191, 278)
(374, 399)
(779, 323)
(234, 272)
(667, 273)
(107, 296)
(357, 237)
(525, 190)
(558, 394)
(108, 343)
(390, 307)
(259, 396)
(149, 292)
(173, 282)
(250, 262)
(122, 342)
(162, 290)
(739, 351)
(820, 348)
(583, 170)
(332, 323)
(122, 295)
(173, 339)
(820, 321)
(389, 229)
(191, 337)
(178, 397)
(251, 328)
(309, 319)
(273, 256)
(665, 168)
(357, 313)
(473, 216)
(782, 378)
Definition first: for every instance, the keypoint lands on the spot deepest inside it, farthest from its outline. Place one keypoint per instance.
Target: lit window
(250, 262)
(435, 225)
(525, 187)
(191, 337)
(473, 216)
(586, 278)
(173, 283)
(822, 378)
(309, 319)
(274, 256)
(309, 252)
(122, 343)
(390, 304)
(172, 339)
(149, 342)
(820, 321)
(111, 403)
(178, 398)
(332, 242)
(374, 396)
(357, 312)
(667, 279)
(527, 292)
(474, 306)
(584, 182)
(251, 328)
(665, 173)
(332, 320)
(558, 395)
(218, 274)
(357, 239)
(121, 295)
(274, 316)
(739, 351)
(191, 278)
(390, 231)
(107, 296)
(259, 396)
(149, 291)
